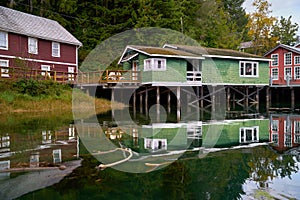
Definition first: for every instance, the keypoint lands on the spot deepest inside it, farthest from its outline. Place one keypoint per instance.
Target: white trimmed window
(4, 68)
(155, 64)
(32, 45)
(297, 60)
(275, 73)
(274, 59)
(55, 49)
(287, 73)
(275, 139)
(248, 69)
(274, 126)
(3, 40)
(249, 134)
(297, 72)
(45, 70)
(288, 58)
(71, 75)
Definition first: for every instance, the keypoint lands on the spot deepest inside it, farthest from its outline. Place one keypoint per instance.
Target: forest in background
(213, 23)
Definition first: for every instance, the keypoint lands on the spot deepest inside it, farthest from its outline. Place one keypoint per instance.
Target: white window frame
(4, 45)
(71, 73)
(296, 60)
(55, 49)
(45, 70)
(152, 64)
(4, 71)
(243, 134)
(275, 59)
(275, 139)
(285, 72)
(290, 59)
(32, 45)
(243, 69)
(274, 77)
(275, 126)
(288, 140)
(297, 72)
(287, 126)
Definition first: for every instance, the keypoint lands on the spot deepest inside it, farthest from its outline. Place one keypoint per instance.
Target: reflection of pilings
(169, 101)
(228, 98)
(292, 98)
(134, 104)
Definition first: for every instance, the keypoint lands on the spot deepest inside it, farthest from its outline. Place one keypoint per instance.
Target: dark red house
(285, 65)
(285, 132)
(40, 46)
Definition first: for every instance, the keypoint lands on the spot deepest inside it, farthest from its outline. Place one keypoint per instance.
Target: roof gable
(34, 26)
(293, 49)
(157, 52)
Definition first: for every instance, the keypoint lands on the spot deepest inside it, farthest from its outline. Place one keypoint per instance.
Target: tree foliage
(214, 23)
(285, 31)
(260, 26)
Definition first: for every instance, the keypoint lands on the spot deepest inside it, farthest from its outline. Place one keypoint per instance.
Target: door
(134, 70)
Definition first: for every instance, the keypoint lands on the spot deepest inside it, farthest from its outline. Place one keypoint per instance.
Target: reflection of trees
(266, 165)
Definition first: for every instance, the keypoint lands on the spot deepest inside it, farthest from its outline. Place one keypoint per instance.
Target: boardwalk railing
(15, 73)
(109, 76)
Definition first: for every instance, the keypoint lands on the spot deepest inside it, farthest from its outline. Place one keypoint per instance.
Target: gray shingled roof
(162, 51)
(198, 50)
(34, 26)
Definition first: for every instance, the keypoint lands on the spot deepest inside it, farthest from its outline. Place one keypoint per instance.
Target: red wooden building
(36, 46)
(285, 65)
(285, 132)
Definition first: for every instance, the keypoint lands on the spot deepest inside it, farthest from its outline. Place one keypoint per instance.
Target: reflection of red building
(285, 132)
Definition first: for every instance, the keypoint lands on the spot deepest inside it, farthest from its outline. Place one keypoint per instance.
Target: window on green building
(248, 69)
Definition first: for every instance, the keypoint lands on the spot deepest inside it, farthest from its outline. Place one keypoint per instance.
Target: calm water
(255, 158)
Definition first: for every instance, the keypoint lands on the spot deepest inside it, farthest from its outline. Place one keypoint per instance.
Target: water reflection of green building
(159, 137)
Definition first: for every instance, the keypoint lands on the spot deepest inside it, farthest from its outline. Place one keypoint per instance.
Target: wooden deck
(108, 77)
(17, 73)
(82, 78)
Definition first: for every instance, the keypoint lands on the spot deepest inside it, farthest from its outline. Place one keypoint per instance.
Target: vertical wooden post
(134, 104)
(157, 104)
(267, 99)
(146, 102)
(178, 103)
(169, 102)
(188, 101)
(292, 98)
(228, 98)
(213, 99)
(246, 99)
(141, 103)
(201, 93)
(233, 100)
(257, 99)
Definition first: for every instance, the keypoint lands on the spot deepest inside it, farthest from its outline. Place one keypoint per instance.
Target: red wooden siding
(281, 51)
(18, 47)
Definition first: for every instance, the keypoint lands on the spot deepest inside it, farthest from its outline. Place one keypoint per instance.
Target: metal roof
(34, 26)
(290, 48)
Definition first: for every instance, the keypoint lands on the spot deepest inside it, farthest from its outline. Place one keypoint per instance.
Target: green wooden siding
(230, 132)
(175, 136)
(175, 72)
(227, 71)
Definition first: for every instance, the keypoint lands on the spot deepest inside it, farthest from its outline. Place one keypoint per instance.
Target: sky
(280, 8)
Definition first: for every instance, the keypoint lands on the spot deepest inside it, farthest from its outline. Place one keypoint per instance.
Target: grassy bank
(47, 96)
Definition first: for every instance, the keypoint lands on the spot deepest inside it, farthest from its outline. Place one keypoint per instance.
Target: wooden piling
(169, 102)
(178, 103)
(292, 98)
(228, 98)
